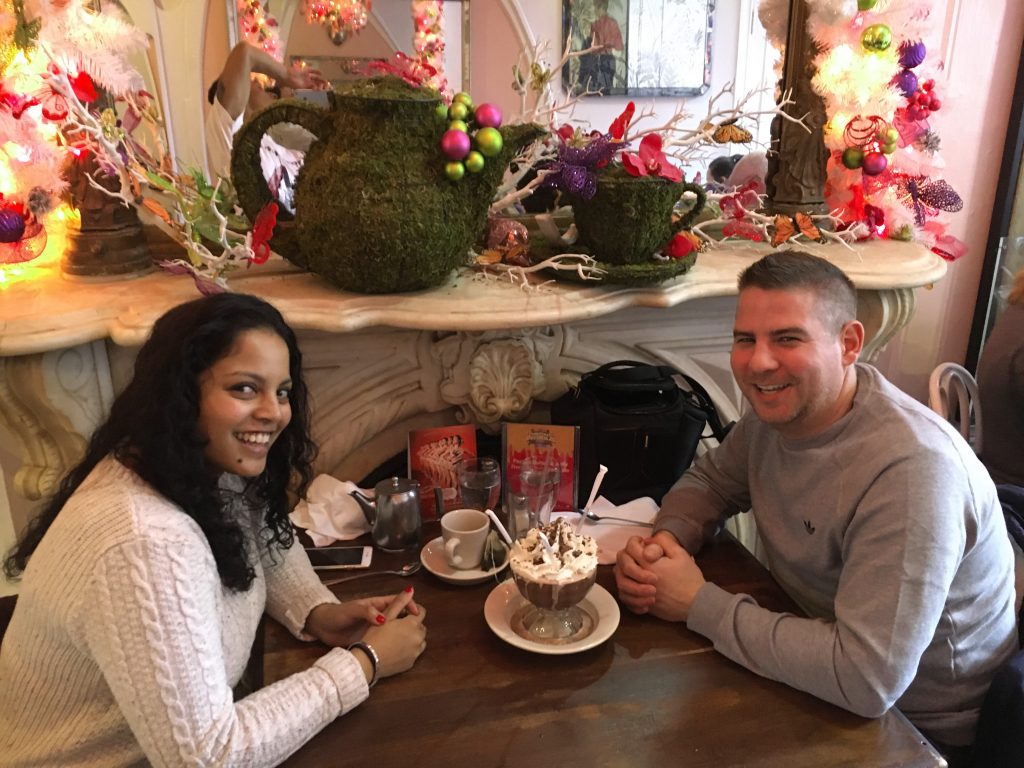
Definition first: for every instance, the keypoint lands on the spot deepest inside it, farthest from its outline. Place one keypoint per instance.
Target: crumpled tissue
(329, 513)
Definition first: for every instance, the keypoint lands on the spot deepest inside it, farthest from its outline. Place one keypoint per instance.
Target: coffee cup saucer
(433, 559)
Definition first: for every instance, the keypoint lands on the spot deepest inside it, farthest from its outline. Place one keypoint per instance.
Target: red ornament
(874, 163)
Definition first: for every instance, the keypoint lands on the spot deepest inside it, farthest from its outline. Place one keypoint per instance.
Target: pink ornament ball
(456, 144)
(488, 116)
(874, 163)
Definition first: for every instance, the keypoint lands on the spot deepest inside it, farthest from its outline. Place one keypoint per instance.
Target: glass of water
(479, 482)
(532, 494)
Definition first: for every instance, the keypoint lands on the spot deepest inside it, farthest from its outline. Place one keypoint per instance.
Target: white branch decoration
(584, 266)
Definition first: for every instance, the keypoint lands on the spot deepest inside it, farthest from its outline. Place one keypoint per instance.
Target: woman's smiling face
(244, 403)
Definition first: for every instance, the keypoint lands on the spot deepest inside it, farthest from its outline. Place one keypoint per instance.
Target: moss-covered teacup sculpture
(629, 218)
(375, 210)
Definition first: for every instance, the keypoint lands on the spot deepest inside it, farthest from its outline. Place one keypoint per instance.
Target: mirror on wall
(645, 47)
(1004, 252)
(389, 30)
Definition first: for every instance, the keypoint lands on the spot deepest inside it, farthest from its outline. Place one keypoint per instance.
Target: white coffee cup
(465, 533)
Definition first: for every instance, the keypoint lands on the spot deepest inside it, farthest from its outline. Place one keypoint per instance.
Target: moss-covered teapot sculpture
(375, 210)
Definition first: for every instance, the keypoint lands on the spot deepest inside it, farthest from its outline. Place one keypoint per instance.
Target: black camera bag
(635, 420)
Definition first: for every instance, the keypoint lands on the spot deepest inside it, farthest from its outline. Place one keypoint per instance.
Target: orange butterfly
(730, 133)
(787, 227)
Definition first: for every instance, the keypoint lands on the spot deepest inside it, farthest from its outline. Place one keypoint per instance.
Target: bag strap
(626, 375)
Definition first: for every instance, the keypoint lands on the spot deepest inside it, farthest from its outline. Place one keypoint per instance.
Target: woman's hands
(392, 624)
(398, 641)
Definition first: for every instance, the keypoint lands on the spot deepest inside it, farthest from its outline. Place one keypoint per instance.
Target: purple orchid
(574, 170)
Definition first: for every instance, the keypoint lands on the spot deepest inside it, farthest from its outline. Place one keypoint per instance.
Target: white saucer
(433, 559)
(505, 600)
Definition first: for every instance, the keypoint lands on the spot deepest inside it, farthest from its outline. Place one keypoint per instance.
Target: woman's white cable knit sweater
(124, 646)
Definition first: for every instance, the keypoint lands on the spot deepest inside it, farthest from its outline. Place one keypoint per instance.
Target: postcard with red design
(434, 456)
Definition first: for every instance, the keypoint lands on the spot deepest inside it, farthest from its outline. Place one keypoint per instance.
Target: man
(875, 515)
(234, 97)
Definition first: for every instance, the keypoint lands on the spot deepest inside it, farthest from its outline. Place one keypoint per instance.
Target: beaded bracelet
(372, 656)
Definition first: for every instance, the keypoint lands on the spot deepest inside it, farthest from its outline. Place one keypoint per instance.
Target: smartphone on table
(330, 558)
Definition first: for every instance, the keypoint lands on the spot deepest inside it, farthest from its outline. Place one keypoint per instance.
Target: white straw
(501, 528)
(546, 544)
(602, 469)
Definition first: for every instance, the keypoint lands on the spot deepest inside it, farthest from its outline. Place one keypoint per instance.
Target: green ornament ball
(458, 125)
(462, 98)
(458, 111)
(888, 136)
(876, 38)
(441, 110)
(489, 141)
(853, 157)
(474, 162)
(866, 5)
(454, 170)
(889, 147)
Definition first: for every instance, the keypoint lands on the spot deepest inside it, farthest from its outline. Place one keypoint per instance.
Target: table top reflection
(653, 692)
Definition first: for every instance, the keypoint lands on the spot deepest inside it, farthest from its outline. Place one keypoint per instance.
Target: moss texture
(375, 212)
(630, 217)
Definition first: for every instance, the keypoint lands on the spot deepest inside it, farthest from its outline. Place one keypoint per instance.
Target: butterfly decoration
(730, 133)
(925, 197)
(788, 227)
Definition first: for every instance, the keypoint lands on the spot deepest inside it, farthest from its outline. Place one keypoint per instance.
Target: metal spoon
(595, 518)
(406, 570)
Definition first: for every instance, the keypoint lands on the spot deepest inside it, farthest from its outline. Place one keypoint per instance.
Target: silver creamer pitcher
(395, 515)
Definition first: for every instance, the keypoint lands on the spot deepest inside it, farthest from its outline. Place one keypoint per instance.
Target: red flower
(82, 85)
(651, 161)
(262, 231)
(682, 245)
(619, 125)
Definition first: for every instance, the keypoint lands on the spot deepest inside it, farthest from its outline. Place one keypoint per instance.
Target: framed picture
(645, 47)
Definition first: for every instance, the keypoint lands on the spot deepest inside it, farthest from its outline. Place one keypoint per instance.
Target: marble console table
(471, 350)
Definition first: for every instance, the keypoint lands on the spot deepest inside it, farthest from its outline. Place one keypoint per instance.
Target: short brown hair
(793, 269)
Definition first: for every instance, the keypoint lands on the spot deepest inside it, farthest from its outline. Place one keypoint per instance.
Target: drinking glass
(479, 482)
(531, 495)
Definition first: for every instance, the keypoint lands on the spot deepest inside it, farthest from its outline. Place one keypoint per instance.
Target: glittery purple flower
(575, 169)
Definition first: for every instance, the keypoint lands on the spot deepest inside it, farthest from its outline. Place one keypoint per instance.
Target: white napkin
(329, 513)
(612, 535)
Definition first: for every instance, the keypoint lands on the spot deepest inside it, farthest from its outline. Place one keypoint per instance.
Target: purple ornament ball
(488, 116)
(12, 226)
(912, 53)
(906, 81)
(874, 163)
(455, 144)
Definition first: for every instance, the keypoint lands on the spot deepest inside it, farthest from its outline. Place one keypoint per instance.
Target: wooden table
(655, 694)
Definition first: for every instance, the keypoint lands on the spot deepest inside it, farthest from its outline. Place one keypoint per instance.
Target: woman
(1001, 391)
(146, 575)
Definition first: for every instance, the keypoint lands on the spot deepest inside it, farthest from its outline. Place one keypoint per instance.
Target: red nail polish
(380, 619)
(408, 589)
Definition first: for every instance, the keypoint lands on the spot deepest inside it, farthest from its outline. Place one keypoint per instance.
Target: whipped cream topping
(574, 556)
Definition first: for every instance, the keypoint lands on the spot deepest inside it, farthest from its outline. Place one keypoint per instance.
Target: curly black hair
(153, 429)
